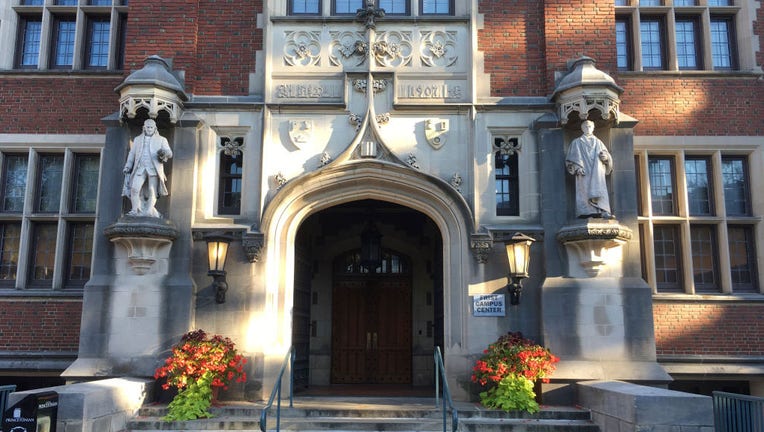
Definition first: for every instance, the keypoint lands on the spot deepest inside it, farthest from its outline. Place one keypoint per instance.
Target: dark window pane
(307, 7)
(623, 44)
(735, 179)
(50, 177)
(703, 239)
(651, 2)
(100, 2)
(10, 233)
(231, 169)
(98, 43)
(347, 6)
(14, 183)
(436, 7)
(394, 7)
(662, 186)
(121, 41)
(80, 253)
(687, 44)
(43, 252)
(507, 183)
(66, 2)
(720, 2)
(698, 174)
(667, 258)
(722, 43)
(685, 3)
(32, 2)
(742, 262)
(29, 50)
(63, 43)
(86, 183)
(651, 33)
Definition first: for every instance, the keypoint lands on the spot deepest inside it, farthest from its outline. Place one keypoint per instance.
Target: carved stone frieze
(253, 243)
(302, 48)
(393, 49)
(439, 48)
(347, 48)
(595, 229)
(608, 107)
(129, 104)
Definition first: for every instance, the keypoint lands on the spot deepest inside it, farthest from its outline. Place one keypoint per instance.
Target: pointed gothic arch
(358, 180)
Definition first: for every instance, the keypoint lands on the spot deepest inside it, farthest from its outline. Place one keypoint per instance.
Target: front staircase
(368, 414)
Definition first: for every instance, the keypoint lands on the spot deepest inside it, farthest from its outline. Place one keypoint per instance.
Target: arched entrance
(288, 256)
(361, 320)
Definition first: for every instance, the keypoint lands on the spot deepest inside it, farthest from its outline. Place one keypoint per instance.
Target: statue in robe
(590, 161)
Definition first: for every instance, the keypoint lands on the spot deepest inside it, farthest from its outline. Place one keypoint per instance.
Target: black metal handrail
(288, 360)
(440, 373)
(738, 413)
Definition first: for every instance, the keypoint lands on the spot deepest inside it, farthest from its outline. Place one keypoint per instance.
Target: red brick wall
(213, 41)
(512, 41)
(709, 328)
(45, 104)
(694, 106)
(575, 28)
(40, 325)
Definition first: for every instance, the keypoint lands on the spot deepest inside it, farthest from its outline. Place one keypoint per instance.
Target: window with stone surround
(506, 176)
(659, 35)
(67, 34)
(696, 224)
(391, 7)
(230, 172)
(48, 217)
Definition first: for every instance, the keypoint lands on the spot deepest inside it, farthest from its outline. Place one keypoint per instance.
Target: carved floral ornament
(507, 145)
(393, 49)
(438, 48)
(378, 85)
(347, 48)
(302, 48)
(231, 146)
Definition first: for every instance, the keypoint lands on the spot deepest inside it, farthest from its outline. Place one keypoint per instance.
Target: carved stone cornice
(595, 229)
(142, 238)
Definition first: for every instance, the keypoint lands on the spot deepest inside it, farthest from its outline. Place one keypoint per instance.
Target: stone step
(368, 414)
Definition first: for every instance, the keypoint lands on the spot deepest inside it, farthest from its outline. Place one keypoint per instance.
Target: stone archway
(359, 180)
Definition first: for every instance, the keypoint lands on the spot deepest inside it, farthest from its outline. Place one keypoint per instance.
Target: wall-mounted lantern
(217, 252)
(518, 257)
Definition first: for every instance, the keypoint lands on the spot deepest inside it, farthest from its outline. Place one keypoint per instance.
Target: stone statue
(589, 161)
(144, 171)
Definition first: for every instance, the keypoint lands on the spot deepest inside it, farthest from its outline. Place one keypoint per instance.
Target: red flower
(196, 355)
(512, 354)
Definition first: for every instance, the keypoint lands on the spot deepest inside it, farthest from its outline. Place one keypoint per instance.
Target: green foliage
(511, 393)
(192, 402)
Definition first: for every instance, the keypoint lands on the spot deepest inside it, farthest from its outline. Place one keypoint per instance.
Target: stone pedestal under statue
(596, 320)
(141, 254)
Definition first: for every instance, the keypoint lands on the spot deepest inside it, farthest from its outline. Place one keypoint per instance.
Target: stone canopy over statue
(144, 171)
(590, 161)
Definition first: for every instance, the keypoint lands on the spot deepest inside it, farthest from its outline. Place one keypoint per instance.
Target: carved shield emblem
(300, 132)
(436, 132)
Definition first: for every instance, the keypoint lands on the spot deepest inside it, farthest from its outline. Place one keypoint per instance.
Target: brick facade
(718, 329)
(40, 325)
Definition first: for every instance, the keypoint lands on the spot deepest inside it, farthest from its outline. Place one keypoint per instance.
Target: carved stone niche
(585, 88)
(144, 240)
(153, 88)
(594, 247)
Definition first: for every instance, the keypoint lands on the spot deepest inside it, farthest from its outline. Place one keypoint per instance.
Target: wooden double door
(371, 330)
